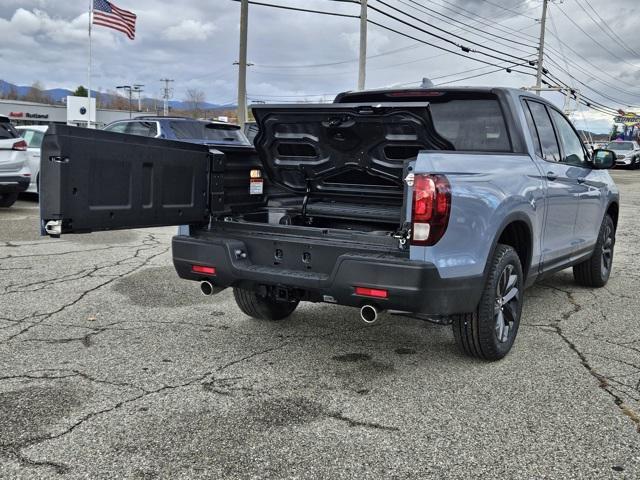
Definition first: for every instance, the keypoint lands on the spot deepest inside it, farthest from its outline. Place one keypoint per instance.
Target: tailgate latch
(402, 235)
(53, 228)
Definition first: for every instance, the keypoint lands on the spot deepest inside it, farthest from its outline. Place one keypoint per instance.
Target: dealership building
(75, 112)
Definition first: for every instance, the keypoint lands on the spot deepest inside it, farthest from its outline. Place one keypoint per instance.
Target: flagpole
(89, 67)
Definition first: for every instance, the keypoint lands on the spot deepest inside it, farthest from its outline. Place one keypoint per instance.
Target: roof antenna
(426, 83)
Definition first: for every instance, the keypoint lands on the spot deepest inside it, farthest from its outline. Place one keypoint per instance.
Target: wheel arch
(517, 232)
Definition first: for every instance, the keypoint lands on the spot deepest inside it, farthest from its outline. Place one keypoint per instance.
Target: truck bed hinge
(403, 234)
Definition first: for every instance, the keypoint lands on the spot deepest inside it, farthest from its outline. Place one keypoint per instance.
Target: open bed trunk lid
(343, 148)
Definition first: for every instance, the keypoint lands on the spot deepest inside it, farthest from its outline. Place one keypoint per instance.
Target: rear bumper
(412, 286)
(14, 183)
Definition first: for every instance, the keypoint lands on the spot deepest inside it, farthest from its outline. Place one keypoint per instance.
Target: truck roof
(426, 93)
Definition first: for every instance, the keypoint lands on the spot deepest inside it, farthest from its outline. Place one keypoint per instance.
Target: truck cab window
(532, 129)
(546, 133)
(573, 152)
(472, 125)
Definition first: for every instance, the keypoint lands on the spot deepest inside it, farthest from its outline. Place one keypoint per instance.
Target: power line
(508, 67)
(439, 47)
(451, 21)
(615, 37)
(297, 9)
(509, 9)
(464, 48)
(341, 62)
(594, 40)
(488, 22)
(587, 101)
(590, 63)
(439, 37)
(482, 75)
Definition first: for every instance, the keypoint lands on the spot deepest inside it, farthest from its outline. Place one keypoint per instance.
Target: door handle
(552, 176)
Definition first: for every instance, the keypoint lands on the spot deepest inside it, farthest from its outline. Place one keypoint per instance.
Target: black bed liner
(374, 213)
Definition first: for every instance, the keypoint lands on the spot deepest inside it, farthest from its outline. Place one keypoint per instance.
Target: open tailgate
(97, 180)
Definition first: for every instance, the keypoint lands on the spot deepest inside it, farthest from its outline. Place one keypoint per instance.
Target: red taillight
(203, 269)
(21, 145)
(431, 208)
(371, 292)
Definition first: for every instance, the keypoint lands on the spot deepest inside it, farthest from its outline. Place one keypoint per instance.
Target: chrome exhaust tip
(206, 288)
(369, 314)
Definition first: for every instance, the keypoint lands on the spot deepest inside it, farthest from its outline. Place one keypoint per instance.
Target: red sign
(16, 114)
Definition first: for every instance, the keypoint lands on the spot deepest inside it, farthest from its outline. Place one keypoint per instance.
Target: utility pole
(128, 89)
(138, 89)
(242, 64)
(166, 94)
(543, 26)
(362, 67)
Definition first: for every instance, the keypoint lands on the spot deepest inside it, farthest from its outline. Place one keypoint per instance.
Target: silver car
(627, 153)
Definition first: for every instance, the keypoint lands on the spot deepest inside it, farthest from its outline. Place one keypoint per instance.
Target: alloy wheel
(506, 303)
(607, 251)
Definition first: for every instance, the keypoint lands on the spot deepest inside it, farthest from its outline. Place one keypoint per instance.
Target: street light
(128, 89)
(138, 89)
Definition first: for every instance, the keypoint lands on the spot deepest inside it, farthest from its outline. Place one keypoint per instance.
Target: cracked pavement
(112, 367)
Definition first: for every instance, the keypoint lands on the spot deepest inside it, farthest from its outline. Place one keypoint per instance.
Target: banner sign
(628, 119)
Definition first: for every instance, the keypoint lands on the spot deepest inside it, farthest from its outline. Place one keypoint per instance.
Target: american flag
(108, 15)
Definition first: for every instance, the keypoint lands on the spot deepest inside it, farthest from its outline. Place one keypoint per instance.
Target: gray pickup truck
(442, 204)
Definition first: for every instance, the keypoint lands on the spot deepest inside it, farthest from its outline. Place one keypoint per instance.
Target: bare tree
(115, 101)
(11, 94)
(36, 94)
(194, 100)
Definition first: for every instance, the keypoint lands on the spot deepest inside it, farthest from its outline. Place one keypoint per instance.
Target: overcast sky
(300, 55)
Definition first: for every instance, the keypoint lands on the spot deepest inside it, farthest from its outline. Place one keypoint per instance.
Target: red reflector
(21, 145)
(371, 292)
(203, 269)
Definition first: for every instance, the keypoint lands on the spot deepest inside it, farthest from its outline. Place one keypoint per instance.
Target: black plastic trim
(413, 286)
(14, 184)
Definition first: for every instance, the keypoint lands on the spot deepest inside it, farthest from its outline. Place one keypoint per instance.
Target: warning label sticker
(255, 186)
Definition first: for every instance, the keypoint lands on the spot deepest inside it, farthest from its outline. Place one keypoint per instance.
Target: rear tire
(489, 332)
(595, 271)
(8, 199)
(262, 308)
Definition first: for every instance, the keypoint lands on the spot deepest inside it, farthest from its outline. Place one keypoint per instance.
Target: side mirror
(604, 159)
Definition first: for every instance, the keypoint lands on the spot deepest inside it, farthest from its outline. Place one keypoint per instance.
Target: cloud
(190, 30)
(297, 55)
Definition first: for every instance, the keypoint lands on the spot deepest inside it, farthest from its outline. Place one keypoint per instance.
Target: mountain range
(59, 95)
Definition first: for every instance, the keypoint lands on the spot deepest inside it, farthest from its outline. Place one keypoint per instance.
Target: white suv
(15, 175)
(33, 135)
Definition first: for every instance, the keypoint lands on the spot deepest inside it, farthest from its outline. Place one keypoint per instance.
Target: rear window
(32, 137)
(213, 132)
(472, 125)
(8, 131)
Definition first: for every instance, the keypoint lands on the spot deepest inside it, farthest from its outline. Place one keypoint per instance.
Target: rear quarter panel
(487, 192)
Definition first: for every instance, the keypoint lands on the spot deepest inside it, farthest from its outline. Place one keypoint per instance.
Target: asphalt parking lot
(112, 367)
